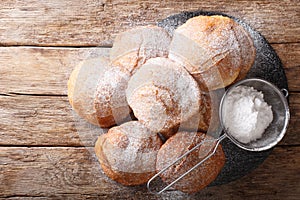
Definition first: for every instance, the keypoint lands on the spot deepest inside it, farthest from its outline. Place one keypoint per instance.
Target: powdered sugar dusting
(139, 153)
(134, 47)
(207, 43)
(176, 96)
(110, 97)
(200, 177)
(82, 86)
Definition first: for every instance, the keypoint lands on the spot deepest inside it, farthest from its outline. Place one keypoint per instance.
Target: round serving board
(267, 66)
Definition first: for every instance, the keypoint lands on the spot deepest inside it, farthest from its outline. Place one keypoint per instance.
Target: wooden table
(41, 152)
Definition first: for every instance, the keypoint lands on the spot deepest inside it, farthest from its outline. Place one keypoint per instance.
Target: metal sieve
(274, 97)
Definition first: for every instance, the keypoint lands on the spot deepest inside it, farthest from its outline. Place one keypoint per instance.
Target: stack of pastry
(169, 85)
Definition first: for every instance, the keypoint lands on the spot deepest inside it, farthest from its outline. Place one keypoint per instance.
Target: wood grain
(42, 115)
(96, 22)
(49, 121)
(46, 71)
(42, 141)
(290, 58)
(43, 121)
(74, 172)
(28, 70)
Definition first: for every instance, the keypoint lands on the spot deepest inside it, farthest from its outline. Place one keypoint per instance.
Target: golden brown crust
(127, 153)
(127, 179)
(134, 47)
(96, 92)
(155, 107)
(248, 51)
(199, 178)
(82, 86)
(162, 94)
(110, 101)
(210, 49)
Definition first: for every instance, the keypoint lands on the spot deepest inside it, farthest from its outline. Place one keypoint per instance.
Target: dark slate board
(267, 66)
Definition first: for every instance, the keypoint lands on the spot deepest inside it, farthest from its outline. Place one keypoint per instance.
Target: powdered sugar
(130, 148)
(246, 114)
(162, 94)
(134, 47)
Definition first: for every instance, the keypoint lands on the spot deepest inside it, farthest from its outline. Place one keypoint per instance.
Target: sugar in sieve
(274, 97)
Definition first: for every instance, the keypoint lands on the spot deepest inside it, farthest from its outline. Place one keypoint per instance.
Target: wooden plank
(43, 121)
(41, 70)
(96, 22)
(292, 135)
(46, 70)
(75, 173)
(49, 121)
(290, 57)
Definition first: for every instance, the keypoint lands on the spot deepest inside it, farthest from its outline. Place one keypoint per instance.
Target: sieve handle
(187, 172)
(285, 92)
